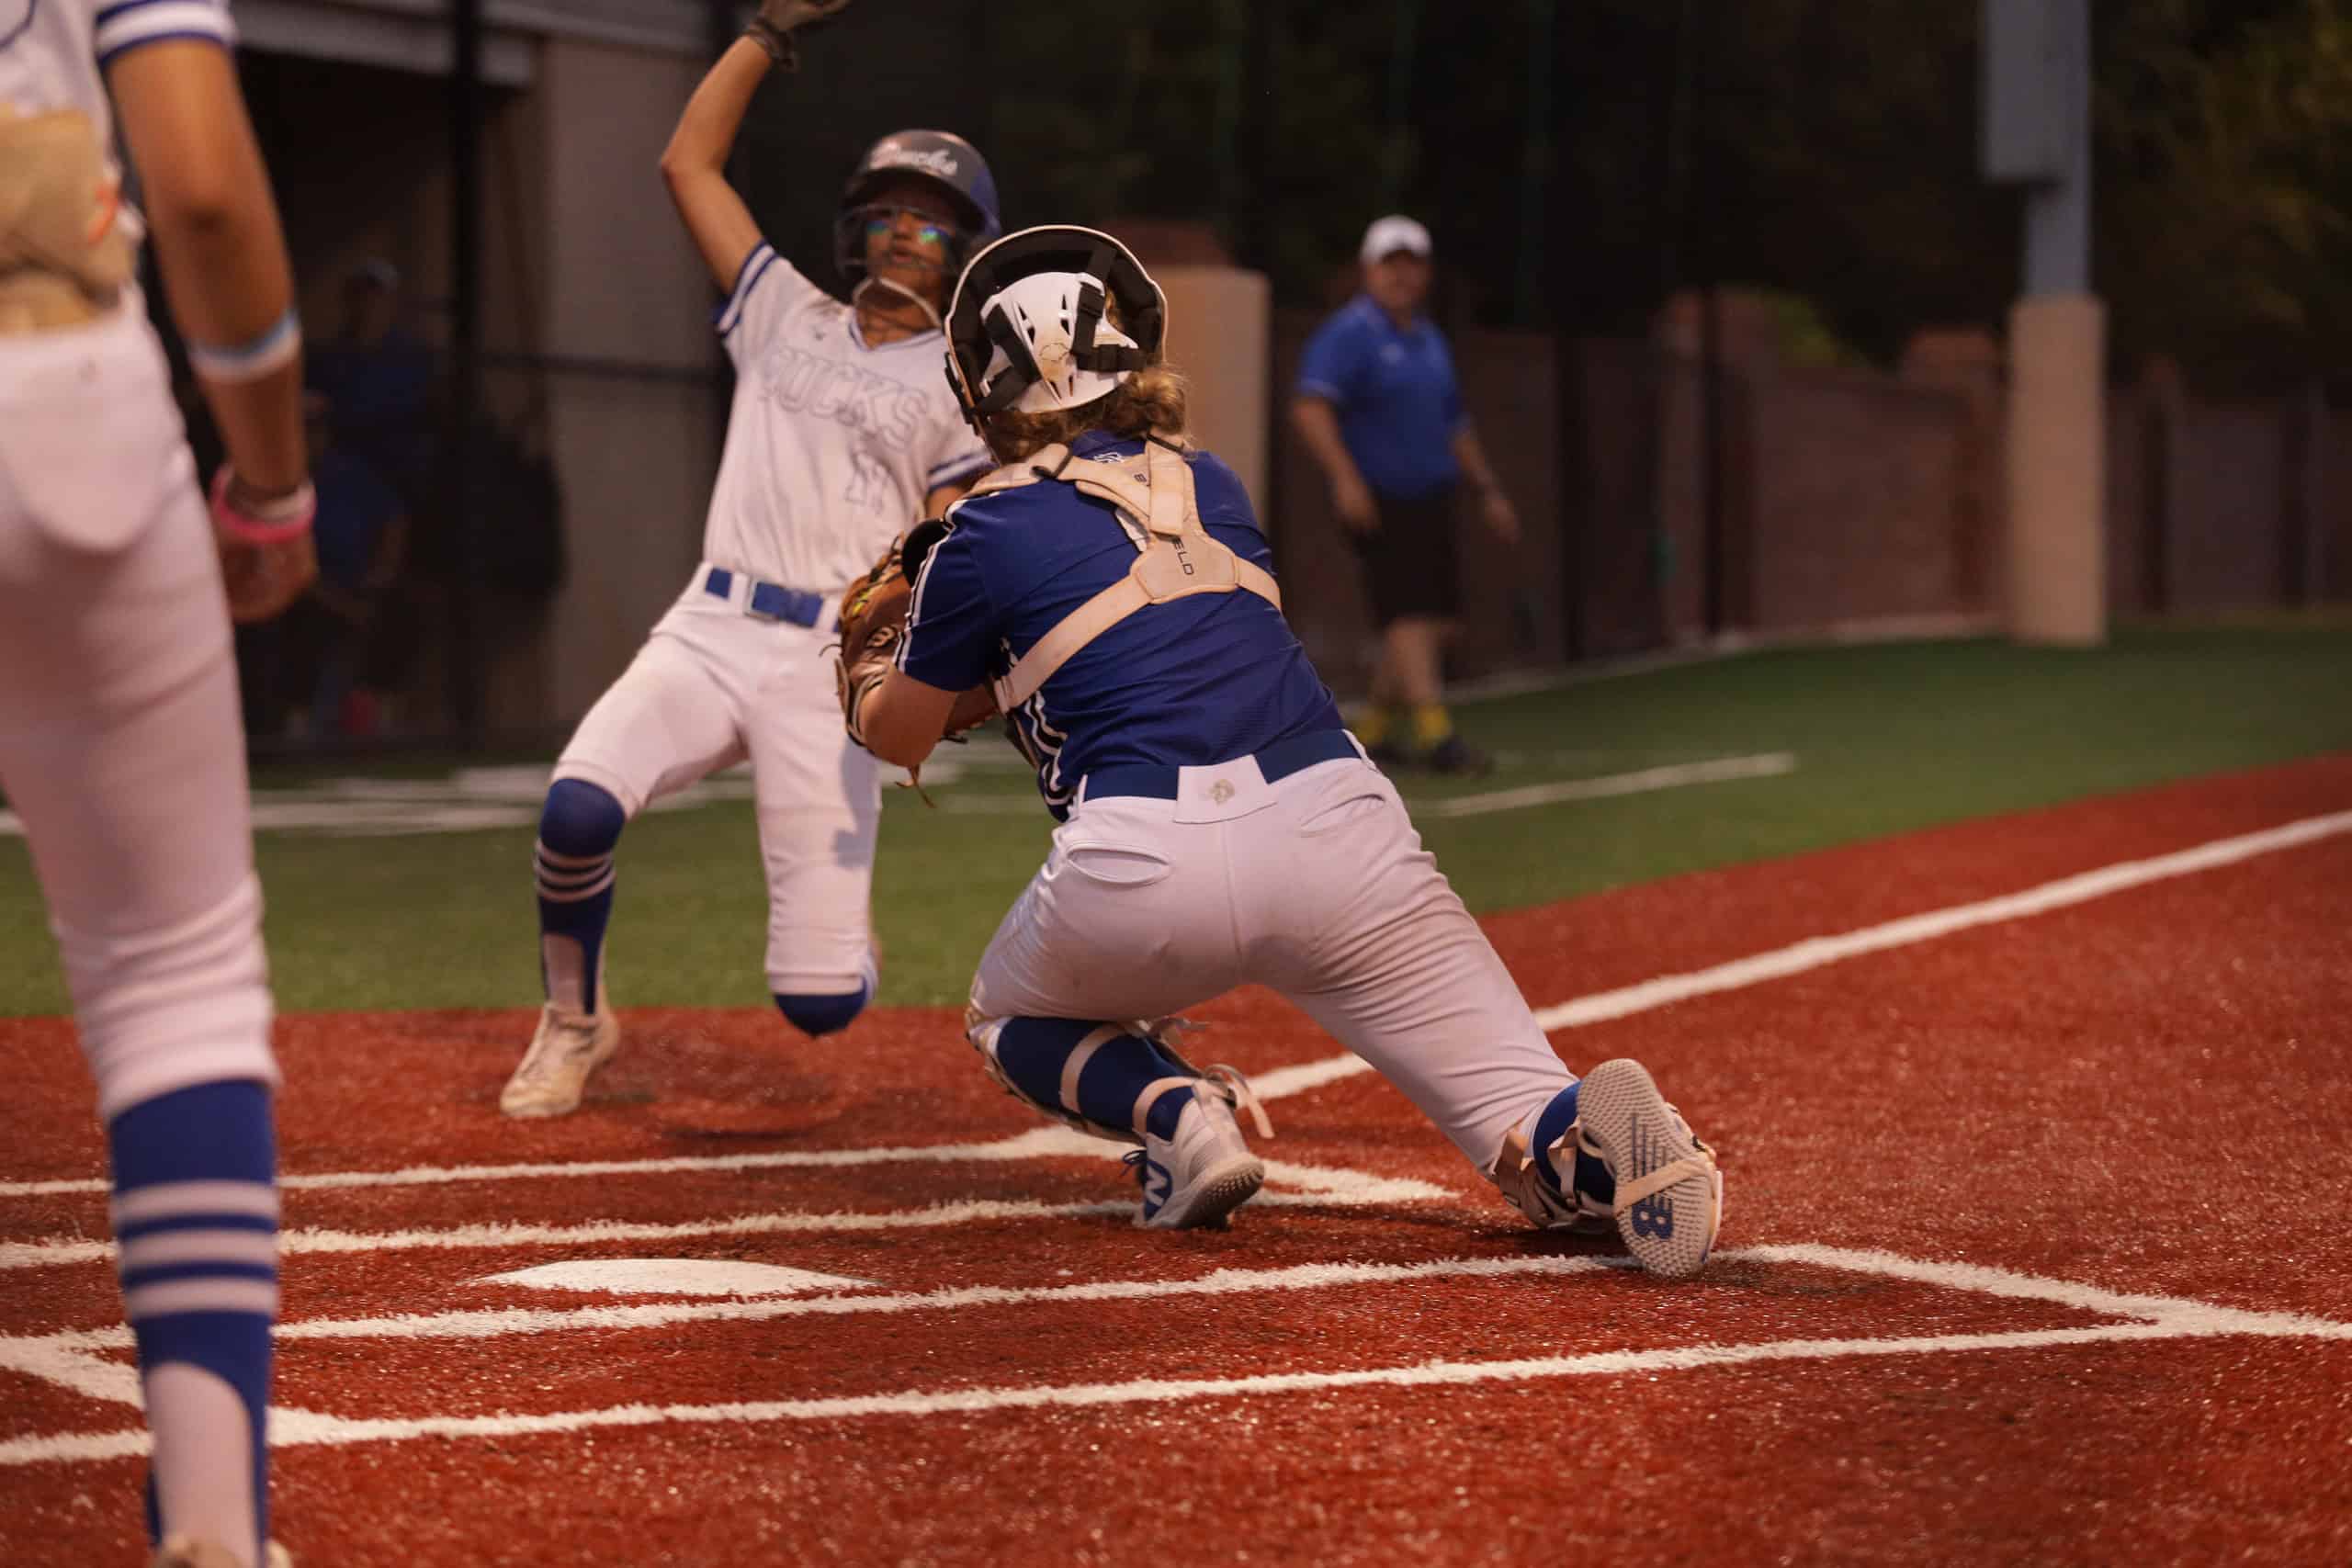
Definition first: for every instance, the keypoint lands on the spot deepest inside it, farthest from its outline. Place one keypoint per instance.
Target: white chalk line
(1038, 1143)
(1817, 951)
(502, 1322)
(1720, 769)
(1290, 1186)
(2153, 1318)
(1814, 952)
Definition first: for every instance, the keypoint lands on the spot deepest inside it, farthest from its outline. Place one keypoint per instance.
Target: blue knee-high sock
(574, 866)
(196, 1214)
(1590, 1177)
(1032, 1053)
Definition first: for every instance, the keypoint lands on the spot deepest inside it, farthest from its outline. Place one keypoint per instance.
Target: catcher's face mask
(1026, 327)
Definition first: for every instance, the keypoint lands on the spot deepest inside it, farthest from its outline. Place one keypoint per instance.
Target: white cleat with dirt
(554, 1072)
(1202, 1173)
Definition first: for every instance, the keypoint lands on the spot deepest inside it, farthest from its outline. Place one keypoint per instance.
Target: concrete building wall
(636, 455)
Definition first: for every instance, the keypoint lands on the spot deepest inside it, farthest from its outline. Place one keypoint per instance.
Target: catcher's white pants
(121, 748)
(1316, 885)
(713, 686)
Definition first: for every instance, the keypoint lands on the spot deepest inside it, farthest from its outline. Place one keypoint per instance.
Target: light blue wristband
(273, 348)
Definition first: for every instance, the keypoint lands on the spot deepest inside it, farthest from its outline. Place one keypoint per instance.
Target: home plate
(674, 1277)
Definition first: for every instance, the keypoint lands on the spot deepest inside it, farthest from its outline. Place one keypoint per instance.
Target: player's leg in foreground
(664, 724)
(572, 863)
(120, 745)
(1072, 1010)
(121, 748)
(1124, 1082)
(1085, 1035)
(1384, 955)
(1337, 906)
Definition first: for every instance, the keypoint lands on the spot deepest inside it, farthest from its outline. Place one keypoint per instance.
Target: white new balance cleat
(181, 1551)
(554, 1071)
(1202, 1174)
(1669, 1199)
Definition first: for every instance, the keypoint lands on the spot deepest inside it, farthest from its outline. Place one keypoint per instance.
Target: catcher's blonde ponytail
(1152, 401)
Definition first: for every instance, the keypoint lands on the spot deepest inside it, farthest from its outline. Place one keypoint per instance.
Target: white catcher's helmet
(1026, 328)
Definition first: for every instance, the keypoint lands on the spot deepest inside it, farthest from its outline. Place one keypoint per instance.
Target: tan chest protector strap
(1176, 557)
(63, 256)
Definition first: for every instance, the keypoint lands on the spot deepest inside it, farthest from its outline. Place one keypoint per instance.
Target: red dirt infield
(2034, 1254)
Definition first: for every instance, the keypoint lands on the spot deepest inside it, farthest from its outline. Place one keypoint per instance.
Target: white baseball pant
(713, 686)
(1316, 885)
(121, 747)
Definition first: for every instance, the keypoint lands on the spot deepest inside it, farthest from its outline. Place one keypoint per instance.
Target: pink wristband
(287, 517)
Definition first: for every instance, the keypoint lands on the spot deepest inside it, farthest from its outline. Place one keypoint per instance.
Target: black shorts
(1409, 560)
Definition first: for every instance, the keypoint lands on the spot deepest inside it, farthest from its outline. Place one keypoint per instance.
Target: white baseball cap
(1393, 233)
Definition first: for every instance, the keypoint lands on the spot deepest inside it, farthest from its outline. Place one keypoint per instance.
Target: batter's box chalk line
(1290, 1186)
(75, 1360)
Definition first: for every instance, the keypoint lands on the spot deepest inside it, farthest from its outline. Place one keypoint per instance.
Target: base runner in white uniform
(842, 434)
(120, 745)
(1219, 827)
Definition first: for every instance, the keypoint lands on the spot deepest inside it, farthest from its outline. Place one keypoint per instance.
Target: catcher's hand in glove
(873, 624)
(777, 20)
(268, 557)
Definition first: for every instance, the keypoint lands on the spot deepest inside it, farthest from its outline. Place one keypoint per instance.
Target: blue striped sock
(196, 1214)
(572, 867)
(1034, 1053)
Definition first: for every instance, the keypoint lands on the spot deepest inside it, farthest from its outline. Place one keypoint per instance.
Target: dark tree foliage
(1579, 162)
(1823, 147)
(2225, 184)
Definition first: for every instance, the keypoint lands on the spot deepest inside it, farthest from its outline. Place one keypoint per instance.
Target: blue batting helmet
(940, 159)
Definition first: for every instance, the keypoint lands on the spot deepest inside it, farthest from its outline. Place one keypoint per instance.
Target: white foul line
(2155, 1318)
(1814, 952)
(1720, 769)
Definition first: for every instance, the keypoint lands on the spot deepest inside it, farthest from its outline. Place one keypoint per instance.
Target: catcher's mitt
(268, 557)
(873, 624)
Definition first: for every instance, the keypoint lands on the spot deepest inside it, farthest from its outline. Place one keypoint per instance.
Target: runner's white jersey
(832, 446)
(53, 52)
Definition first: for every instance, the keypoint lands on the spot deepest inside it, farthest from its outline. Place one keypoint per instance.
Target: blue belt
(1157, 781)
(769, 601)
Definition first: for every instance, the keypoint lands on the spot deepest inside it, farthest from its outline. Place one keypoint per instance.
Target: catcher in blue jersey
(1110, 592)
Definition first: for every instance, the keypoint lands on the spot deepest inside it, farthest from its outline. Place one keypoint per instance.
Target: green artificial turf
(1887, 738)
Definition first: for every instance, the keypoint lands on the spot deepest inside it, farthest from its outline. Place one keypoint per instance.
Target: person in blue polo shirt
(1111, 589)
(1378, 406)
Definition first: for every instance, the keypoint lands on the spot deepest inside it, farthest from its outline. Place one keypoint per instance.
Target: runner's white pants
(713, 686)
(121, 748)
(1316, 885)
